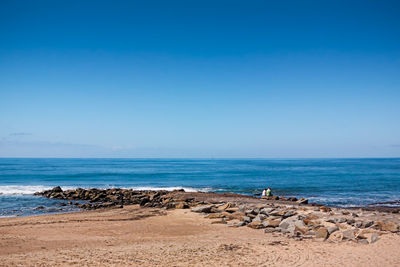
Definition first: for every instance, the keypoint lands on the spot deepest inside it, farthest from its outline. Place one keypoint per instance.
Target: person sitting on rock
(268, 192)
(264, 192)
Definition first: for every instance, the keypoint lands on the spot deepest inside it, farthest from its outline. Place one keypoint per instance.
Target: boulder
(302, 201)
(57, 189)
(260, 217)
(246, 219)
(322, 233)
(289, 213)
(358, 224)
(181, 206)
(373, 238)
(232, 209)
(332, 229)
(226, 206)
(266, 211)
(202, 209)
(256, 225)
(349, 234)
(301, 229)
(367, 224)
(237, 215)
(240, 224)
(387, 226)
(271, 223)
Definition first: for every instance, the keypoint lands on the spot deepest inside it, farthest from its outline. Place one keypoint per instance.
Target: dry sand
(133, 236)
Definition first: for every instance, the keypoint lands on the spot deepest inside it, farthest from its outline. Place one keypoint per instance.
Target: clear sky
(214, 78)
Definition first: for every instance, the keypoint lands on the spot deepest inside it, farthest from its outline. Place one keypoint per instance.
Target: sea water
(335, 182)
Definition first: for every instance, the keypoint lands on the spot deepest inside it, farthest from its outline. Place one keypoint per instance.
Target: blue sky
(199, 79)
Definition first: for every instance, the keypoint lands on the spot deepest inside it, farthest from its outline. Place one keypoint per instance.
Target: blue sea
(335, 182)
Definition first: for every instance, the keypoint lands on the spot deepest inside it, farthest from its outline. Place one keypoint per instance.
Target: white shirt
(263, 193)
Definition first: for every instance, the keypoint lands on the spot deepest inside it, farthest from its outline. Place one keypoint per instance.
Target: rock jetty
(115, 197)
(292, 217)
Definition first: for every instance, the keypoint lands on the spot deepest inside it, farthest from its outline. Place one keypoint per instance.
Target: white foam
(24, 189)
(187, 189)
(30, 189)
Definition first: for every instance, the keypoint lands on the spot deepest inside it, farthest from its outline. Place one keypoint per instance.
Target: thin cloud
(20, 134)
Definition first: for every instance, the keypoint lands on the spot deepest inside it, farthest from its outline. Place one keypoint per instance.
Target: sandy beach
(135, 236)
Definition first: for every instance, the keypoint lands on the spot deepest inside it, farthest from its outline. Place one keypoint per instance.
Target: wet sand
(134, 236)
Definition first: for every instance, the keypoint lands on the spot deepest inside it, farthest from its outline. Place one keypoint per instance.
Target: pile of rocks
(301, 222)
(115, 197)
(289, 216)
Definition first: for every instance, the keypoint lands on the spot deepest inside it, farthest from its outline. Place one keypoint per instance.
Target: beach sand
(145, 236)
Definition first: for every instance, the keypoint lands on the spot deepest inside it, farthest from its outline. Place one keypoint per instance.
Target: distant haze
(257, 79)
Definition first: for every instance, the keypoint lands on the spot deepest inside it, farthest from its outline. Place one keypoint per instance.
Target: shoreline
(147, 236)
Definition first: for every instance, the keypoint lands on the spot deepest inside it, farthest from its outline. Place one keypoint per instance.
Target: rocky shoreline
(292, 217)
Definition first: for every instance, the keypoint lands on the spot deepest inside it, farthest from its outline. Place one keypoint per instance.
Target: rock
(363, 241)
(349, 234)
(214, 216)
(260, 217)
(219, 222)
(246, 219)
(40, 208)
(358, 224)
(289, 213)
(226, 206)
(256, 225)
(181, 206)
(266, 211)
(301, 229)
(322, 233)
(57, 189)
(237, 215)
(277, 213)
(250, 211)
(240, 224)
(373, 238)
(332, 229)
(302, 201)
(269, 230)
(205, 209)
(272, 223)
(387, 226)
(367, 224)
(336, 236)
(288, 222)
(310, 233)
(350, 221)
(324, 209)
(270, 197)
(231, 210)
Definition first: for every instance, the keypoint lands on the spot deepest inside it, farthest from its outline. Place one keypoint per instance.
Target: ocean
(335, 182)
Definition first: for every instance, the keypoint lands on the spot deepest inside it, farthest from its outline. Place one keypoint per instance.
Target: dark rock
(57, 189)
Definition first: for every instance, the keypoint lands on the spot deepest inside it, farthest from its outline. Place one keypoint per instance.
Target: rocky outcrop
(115, 197)
(291, 217)
(299, 222)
